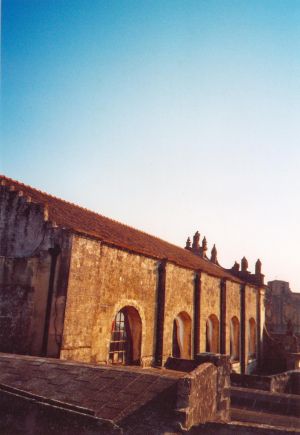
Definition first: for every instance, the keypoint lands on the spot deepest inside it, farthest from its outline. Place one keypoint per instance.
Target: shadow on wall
(212, 334)
(182, 333)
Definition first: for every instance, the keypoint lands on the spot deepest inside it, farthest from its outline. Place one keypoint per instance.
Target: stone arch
(235, 339)
(252, 339)
(182, 334)
(124, 302)
(212, 334)
(126, 337)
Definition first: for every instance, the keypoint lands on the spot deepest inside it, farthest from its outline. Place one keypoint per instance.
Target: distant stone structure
(282, 332)
(77, 285)
(282, 308)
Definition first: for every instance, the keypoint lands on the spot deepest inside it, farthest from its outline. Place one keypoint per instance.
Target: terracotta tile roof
(83, 221)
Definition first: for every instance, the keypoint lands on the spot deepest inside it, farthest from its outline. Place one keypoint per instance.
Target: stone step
(253, 416)
(264, 401)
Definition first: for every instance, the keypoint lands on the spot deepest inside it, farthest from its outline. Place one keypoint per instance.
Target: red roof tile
(81, 220)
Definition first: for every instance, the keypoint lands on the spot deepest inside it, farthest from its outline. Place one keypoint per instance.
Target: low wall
(281, 383)
(222, 363)
(251, 381)
(223, 368)
(240, 429)
(286, 382)
(285, 404)
(295, 382)
(196, 396)
(293, 361)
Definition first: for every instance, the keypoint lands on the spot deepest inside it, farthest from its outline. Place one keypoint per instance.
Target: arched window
(126, 337)
(252, 339)
(182, 328)
(212, 334)
(234, 339)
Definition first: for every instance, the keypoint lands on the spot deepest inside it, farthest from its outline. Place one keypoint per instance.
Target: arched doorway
(126, 337)
(252, 339)
(182, 330)
(212, 334)
(234, 339)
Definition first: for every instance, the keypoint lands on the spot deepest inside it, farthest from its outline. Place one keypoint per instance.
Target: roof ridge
(89, 222)
(91, 211)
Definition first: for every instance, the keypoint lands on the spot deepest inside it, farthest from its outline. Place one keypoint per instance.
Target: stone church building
(77, 285)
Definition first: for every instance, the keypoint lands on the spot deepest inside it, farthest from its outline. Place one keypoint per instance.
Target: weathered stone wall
(209, 304)
(84, 282)
(250, 312)
(102, 281)
(22, 224)
(262, 298)
(222, 363)
(215, 428)
(282, 383)
(233, 308)
(179, 297)
(282, 306)
(294, 386)
(265, 401)
(251, 381)
(63, 239)
(25, 263)
(15, 325)
(196, 396)
(126, 280)
(204, 394)
(286, 382)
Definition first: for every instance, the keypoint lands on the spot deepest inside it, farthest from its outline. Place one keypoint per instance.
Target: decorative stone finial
(258, 267)
(236, 267)
(196, 240)
(244, 264)
(188, 243)
(203, 247)
(214, 253)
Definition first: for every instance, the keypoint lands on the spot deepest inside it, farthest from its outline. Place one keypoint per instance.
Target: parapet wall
(222, 363)
(286, 382)
(285, 404)
(197, 396)
(209, 399)
(215, 428)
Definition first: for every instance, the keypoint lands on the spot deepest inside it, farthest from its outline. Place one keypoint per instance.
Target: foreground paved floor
(107, 392)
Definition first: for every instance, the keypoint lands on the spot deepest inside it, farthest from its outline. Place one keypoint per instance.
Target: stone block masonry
(130, 398)
(197, 396)
(78, 275)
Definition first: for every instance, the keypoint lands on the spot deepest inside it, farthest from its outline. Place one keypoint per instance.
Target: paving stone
(108, 413)
(109, 392)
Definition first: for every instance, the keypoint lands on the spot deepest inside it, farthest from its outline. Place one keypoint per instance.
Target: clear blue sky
(170, 116)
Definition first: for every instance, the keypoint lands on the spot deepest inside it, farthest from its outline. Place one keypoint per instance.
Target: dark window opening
(126, 336)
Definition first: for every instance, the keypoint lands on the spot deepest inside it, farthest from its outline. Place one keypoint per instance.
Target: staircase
(263, 407)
